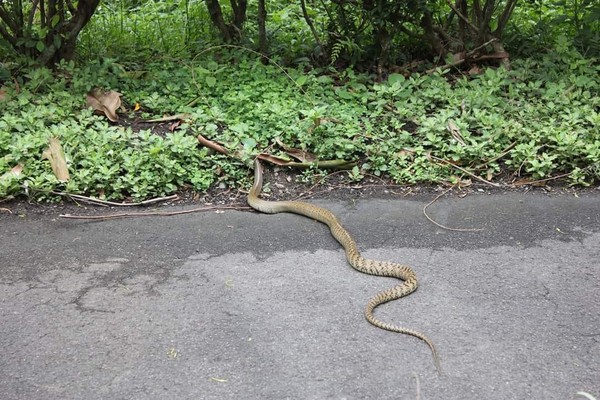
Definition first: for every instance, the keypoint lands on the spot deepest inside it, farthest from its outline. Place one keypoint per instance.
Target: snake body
(356, 260)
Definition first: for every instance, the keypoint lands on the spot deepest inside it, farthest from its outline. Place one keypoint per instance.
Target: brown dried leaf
(298, 154)
(405, 153)
(454, 131)
(475, 70)
(15, 172)
(105, 102)
(528, 181)
(54, 153)
(273, 159)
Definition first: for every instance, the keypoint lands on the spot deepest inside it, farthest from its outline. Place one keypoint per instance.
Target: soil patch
(283, 184)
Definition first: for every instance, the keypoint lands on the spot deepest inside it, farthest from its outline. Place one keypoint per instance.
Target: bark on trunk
(216, 16)
(262, 30)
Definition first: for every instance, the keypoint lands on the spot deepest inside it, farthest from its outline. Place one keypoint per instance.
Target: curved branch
(461, 16)
(310, 24)
(8, 37)
(506, 14)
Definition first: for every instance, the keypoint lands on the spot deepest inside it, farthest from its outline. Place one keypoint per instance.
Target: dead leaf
(3, 94)
(17, 170)
(475, 70)
(460, 182)
(274, 159)
(174, 125)
(54, 153)
(105, 102)
(14, 172)
(298, 154)
(406, 154)
(454, 131)
(459, 57)
(527, 181)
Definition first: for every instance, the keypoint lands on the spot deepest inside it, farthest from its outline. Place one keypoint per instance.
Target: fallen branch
(212, 145)
(152, 213)
(112, 203)
(534, 183)
(325, 164)
(442, 161)
(499, 156)
(463, 17)
(445, 162)
(469, 57)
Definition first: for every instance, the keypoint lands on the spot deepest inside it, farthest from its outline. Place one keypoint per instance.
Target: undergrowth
(539, 120)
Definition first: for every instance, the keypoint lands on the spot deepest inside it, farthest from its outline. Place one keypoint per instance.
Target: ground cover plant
(538, 120)
(456, 123)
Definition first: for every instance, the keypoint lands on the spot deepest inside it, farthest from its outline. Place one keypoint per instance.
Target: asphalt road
(239, 305)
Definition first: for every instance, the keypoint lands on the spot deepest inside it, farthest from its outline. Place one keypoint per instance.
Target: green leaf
(344, 94)
(249, 144)
(211, 81)
(301, 80)
(393, 78)
(55, 20)
(40, 46)
(240, 127)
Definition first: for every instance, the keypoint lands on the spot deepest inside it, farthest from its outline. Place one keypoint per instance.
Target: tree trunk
(65, 49)
(232, 31)
(262, 30)
(437, 48)
(52, 16)
(312, 28)
(216, 16)
(239, 14)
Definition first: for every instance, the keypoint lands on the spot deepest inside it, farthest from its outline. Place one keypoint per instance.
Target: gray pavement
(238, 305)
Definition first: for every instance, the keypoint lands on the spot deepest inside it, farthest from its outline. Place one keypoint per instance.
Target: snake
(372, 267)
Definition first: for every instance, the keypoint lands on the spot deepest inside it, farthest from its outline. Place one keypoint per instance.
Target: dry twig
(418, 382)
(442, 161)
(112, 203)
(153, 213)
(534, 183)
(212, 145)
(469, 57)
(443, 226)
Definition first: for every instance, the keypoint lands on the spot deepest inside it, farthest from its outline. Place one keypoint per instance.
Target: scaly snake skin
(358, 262)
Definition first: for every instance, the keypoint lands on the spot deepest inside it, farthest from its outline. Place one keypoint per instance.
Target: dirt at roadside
(284, 184)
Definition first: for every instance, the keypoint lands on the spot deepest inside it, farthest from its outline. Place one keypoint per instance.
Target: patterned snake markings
(356, 260)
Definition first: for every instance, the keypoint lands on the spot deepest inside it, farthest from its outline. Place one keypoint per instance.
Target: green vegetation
(537, 120)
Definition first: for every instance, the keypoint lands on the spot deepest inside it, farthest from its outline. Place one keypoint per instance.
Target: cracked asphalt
(239, 305)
